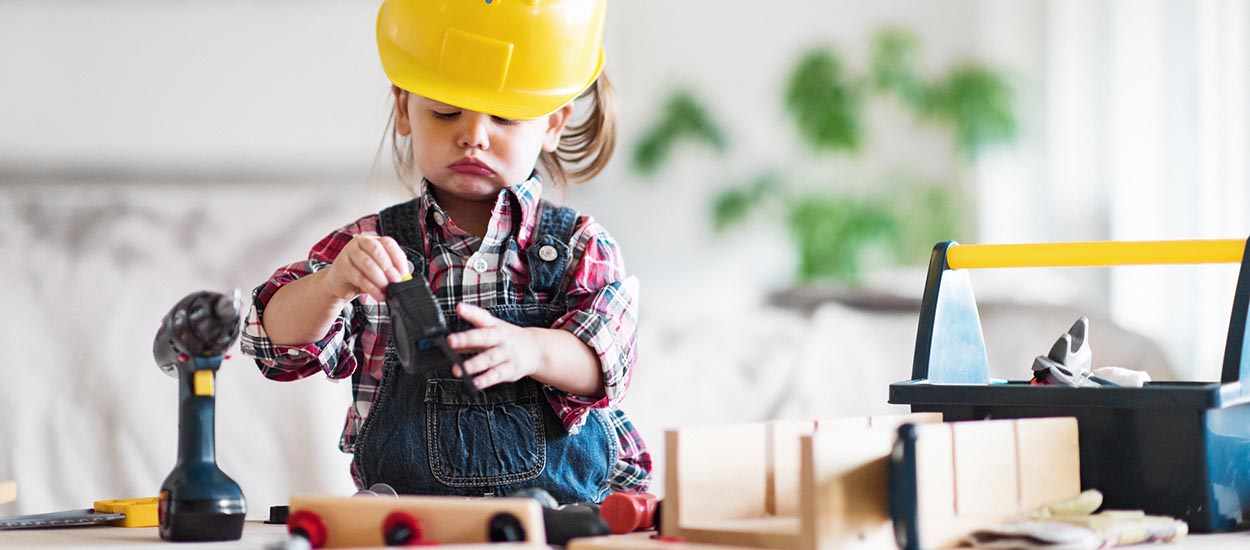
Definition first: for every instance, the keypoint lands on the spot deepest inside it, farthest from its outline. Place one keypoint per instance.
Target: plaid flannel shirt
(602, 312)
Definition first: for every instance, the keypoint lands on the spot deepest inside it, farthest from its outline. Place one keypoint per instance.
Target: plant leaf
(731, 206)
(927, 214)
(825, 102)
(978, 102)
(683, 119)
(893, 66)
(832, 234)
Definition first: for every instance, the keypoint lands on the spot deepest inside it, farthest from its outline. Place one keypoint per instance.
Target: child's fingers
(489, 378)
(397, 256)
(475, 339)
(364, 285)
(376, 249)
(477, 316)
(482, 362)
(368, 269)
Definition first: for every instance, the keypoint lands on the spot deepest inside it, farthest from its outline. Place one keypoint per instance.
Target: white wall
(1136, 127)
(179, 120)
(282, 90)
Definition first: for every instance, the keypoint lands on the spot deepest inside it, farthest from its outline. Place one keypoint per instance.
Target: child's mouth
(472, 166)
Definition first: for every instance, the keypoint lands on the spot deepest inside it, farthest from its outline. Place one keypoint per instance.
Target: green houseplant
(835, 229)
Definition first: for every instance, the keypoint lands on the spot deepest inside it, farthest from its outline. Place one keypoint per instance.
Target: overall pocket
(493, 438)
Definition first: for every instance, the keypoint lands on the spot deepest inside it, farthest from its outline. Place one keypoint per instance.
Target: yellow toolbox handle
(1095, 254)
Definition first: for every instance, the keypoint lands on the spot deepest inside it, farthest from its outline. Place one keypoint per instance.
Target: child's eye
(445, 116)
(504, 121)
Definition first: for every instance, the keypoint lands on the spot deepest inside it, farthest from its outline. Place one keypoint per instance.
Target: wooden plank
(935, 482)
(779, 533)
(255, 535)
(8, 491)
(893, 421)
(782, 481)
(714, 473)
(974, 474)
(843, 423)
(670, 519)
(644, 541)
(986, 476)
(844, 489)
(1049, 461)
(357, 521)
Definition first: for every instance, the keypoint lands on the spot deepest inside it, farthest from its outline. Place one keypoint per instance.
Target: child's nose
(475, 134)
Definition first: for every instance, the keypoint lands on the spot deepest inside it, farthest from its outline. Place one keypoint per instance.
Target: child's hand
(506, 352)
(367, 265)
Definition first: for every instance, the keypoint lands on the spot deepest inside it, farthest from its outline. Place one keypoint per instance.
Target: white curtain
(1135, 126)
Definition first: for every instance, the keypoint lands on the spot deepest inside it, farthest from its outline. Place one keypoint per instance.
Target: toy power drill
(198, 502)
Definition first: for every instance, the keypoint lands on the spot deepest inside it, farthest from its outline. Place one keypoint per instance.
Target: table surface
(257, 534)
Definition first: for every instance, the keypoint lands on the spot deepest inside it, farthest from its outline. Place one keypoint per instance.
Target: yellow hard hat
(519, 59)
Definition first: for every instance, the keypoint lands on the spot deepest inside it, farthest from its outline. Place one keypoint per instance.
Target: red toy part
(626, 513)
(401, 529)
(309, 525)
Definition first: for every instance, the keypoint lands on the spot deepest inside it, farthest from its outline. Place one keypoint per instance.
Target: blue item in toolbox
(1179, 449)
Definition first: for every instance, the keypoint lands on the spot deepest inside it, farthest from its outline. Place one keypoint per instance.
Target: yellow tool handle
(140, 512)
(1094, 254)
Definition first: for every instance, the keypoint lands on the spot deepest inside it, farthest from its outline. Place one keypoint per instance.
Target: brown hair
(583, 152)
(585, 147)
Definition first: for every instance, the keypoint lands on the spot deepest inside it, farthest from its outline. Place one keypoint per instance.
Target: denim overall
(426, 435)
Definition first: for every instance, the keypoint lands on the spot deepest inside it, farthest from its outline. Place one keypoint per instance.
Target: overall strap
(551, 249)
(402, 222)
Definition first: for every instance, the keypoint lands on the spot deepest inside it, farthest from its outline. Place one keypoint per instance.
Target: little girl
(537, 293)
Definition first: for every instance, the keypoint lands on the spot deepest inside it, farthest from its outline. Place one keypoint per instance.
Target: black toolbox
(1180, 449)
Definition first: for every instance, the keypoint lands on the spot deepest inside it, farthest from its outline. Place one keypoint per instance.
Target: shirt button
(548, 253)
(439, 218)
(478, 264)
(292, 352)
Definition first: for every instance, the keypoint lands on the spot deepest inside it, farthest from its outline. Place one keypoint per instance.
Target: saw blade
(85, 516)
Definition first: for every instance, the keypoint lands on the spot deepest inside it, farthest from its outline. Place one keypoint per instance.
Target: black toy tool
(417, 323)
(198, 502)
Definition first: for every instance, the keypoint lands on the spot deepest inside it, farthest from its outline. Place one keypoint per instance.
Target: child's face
(473, 155)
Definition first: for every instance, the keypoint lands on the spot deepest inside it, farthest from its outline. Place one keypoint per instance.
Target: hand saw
(135, 512)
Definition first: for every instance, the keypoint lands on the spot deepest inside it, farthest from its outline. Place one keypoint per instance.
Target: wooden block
(1049, 454)
(357, 521)
(8, 491)
(935, 482)
(893, 421)
(843, 489)
(974, 474)
(669, 517)
(843, 423)
(779, 533)
(986, 478)
(782, 483)
(643, 541)
(714, 473)
(889, 422)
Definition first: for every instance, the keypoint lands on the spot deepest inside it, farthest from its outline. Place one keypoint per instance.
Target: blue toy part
(950, 348)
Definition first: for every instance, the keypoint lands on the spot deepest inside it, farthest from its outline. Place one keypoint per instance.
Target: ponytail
(401, 147)
(585, 148)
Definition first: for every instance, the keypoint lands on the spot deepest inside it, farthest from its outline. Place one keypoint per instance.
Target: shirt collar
(523, 197)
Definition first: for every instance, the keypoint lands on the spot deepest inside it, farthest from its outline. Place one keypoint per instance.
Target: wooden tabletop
(258, 534)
